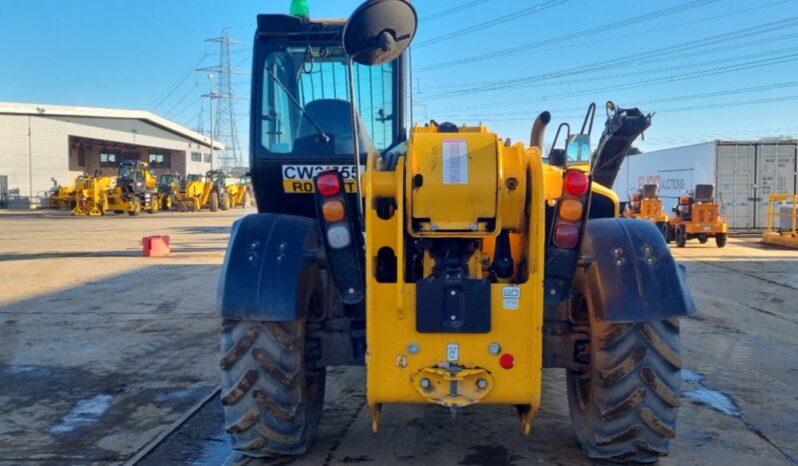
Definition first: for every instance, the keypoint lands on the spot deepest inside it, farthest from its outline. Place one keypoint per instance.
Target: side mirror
(378, 31)
(578, 148)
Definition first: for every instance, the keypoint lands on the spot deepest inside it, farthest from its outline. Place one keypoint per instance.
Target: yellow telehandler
(136, 190)
(453, 264)
(91, 194)
(168, 188)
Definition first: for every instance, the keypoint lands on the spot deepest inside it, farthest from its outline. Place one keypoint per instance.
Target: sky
(708, 69)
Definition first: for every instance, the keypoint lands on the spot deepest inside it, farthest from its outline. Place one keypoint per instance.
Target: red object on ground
(156, 245)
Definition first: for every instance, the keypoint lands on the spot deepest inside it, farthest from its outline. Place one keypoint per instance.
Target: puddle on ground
(85, 413)
(712, 398)
(216, 452)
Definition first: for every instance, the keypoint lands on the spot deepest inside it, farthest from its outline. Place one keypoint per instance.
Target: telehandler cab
(453, 265)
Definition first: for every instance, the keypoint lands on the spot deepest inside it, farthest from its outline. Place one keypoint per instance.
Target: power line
(490, 23)
(629, 59)
(566, 37)
(179, 83)
(453, 10)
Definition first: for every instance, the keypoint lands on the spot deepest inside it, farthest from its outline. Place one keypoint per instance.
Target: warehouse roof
(14, 108)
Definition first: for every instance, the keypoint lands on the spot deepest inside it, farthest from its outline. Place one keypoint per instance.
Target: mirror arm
(356, 142)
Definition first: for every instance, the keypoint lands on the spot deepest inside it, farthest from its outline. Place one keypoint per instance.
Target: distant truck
(744, 173)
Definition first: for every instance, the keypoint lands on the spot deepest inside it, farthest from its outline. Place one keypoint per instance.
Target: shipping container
(744, 173)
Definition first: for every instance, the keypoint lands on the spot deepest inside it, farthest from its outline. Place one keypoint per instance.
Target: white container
(744, 174)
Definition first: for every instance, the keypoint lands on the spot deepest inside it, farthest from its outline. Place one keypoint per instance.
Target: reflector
(575, 183)
(329, 184)
(566, 236)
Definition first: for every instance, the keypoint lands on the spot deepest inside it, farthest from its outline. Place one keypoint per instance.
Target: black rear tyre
(272, 400)
(680, 236)
(720, 239)
(224, 200)
(214, 202)
(703, 238)
(624, 406)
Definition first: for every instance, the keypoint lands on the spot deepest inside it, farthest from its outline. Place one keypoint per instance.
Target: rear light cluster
(571, 209)
(333, 209)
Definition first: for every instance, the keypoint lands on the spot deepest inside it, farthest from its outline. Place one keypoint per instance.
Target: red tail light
(328, 184)
(576, 183)
(566, 236)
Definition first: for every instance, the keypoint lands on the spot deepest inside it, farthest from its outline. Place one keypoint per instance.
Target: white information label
(452, 352)
(455, 161)
(511, 295)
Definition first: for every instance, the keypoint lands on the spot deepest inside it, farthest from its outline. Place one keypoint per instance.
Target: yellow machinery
(91, 195)
(135, 191)
(461, 267)
(646, 204)
(210, 192)
(168, 189)
(190, 193)
(63, 196)
(239, 194)
(782, 220)
(697, 215)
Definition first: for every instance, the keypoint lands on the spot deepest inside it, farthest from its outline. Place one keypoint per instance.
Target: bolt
(494, 348)
(474, 227)
(251, 257)
(351, 291)
(482, 384)
(434, 227)
(413, 348)
(453, 292)
(425, 383)
(280, 258)
(648, 249)
(254, 245)
(650, 260)
(282, 246)
(552, 292)
(454, 317)
(619, 262)
(617, 251)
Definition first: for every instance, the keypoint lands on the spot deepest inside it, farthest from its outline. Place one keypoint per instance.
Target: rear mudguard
(269, 259)
(632, 273)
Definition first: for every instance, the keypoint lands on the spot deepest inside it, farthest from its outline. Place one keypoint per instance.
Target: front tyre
(680, 236)
(272, 400)
(720, 240)
(623, 407)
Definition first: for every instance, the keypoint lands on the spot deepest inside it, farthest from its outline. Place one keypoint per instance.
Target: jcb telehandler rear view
(451, 264)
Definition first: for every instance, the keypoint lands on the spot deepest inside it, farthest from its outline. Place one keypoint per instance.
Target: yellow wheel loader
(191, 189)
(454, 265)
(136, 190)
(168, 188)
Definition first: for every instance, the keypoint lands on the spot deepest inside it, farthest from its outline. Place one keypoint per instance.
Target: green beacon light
(300, 8)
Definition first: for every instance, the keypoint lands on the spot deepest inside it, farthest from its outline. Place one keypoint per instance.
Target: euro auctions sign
(298, 179)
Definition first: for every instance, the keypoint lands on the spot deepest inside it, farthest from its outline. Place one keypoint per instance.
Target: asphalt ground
(107, 357)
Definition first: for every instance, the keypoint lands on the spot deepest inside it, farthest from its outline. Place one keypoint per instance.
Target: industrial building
(744, 174)
(40, 142)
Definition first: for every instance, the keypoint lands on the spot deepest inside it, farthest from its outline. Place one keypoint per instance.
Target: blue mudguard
(632, 274)
(270, 259)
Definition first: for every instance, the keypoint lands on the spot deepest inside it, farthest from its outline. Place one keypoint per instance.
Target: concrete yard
(107, 357)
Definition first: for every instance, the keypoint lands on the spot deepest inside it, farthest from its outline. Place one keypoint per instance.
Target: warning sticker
(455, 161)
(511, 295)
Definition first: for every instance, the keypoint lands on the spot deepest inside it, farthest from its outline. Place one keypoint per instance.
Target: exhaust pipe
(539, 130)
